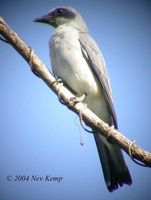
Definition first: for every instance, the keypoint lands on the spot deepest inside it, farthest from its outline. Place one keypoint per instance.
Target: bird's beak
(43, 19)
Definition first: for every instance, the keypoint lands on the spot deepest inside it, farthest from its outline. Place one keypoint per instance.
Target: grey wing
(96, 61)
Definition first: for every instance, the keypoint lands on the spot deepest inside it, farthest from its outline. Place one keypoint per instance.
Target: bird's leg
(60, 82)
(78, 99)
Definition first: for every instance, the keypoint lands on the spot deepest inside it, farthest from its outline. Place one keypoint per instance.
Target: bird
(77, 60)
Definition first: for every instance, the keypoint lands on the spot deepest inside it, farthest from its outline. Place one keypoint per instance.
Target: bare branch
(89, 117)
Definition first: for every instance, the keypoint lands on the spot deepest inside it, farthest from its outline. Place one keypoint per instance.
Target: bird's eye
(60, 11)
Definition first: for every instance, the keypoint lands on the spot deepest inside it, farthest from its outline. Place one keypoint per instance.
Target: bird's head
(63, 16)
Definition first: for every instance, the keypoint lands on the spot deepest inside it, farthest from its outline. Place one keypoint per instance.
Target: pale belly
(68, 63)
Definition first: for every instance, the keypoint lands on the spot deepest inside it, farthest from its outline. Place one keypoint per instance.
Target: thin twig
(4, 40)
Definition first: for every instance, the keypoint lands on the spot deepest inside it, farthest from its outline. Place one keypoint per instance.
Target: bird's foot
(60, 82)
(78, 99)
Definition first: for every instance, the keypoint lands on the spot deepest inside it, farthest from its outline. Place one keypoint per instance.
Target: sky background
(39, 136)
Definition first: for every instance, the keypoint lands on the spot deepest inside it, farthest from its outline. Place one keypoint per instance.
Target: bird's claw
(78, 99)
(58, 80)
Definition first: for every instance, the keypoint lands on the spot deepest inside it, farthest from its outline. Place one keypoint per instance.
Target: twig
(89, 117)
(4, 40)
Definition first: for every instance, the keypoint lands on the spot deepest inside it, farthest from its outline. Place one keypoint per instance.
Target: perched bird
(77, 60)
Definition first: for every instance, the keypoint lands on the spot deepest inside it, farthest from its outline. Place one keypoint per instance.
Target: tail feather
(115, 170)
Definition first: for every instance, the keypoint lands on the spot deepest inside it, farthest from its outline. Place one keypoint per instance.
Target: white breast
(68, 62)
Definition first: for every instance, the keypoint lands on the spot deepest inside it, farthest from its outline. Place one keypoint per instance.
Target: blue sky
(39, 136)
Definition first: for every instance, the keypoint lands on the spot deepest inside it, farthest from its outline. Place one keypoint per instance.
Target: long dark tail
(115, 170)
